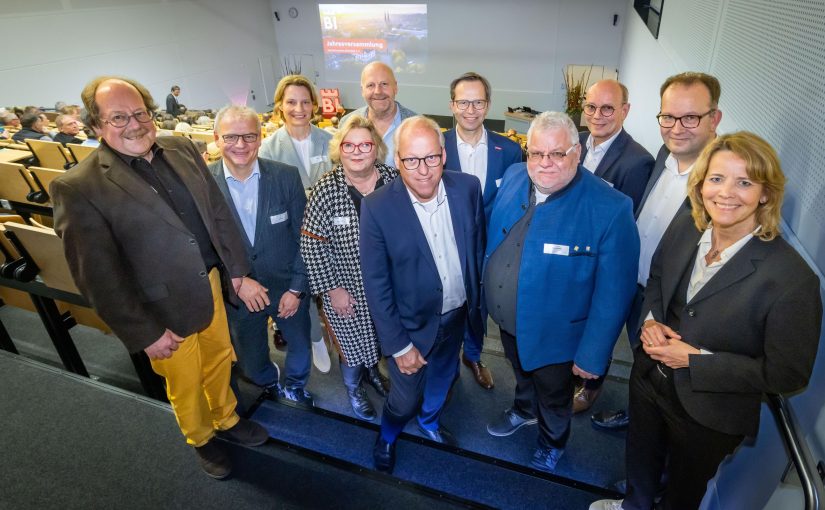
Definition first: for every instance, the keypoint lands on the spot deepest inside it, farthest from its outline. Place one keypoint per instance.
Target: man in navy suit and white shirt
(422, 239)
(267, 200)
(612, 154)
(474, 150)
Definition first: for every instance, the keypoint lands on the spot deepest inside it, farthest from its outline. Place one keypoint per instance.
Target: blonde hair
(298, 80)
(763, 167)
(356, 122)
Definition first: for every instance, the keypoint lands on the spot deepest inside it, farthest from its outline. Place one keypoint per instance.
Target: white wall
(521, 47)
(211, 48)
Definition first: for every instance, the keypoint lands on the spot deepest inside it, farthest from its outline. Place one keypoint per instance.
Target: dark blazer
(275, 257)
(760, 316)
(626, 165)
(129, 253)
(501, 153)
(172, 105)
(400, 277)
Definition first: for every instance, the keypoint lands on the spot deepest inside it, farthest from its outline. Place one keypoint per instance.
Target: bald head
(605, 108)
(378, 88)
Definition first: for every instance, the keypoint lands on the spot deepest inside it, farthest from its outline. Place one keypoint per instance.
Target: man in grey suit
(612, 154)
(152, 246)
(267, 201)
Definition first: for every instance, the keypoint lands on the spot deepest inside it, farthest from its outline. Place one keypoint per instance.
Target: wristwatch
(299, 295)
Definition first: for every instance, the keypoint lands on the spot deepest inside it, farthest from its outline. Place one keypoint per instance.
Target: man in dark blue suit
(474, 150)
(267, 200)
(612, 154)
(422, 239)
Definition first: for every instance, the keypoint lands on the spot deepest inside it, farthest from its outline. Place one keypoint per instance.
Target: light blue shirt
(245, 198)
(388, 138)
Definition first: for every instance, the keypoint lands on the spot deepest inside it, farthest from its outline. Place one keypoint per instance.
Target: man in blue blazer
(421, 250)
(612, 154)
(267, 201)
(559, 276)
(474, 150)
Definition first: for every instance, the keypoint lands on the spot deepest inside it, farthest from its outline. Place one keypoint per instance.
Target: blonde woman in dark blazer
(732, 313)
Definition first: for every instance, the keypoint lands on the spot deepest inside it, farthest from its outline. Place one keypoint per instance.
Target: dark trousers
(661, 429)
(632, 326)
(547, 390)
(249, 337)
(425, 391)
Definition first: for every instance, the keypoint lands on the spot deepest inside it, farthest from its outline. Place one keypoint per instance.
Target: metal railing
(799, 452)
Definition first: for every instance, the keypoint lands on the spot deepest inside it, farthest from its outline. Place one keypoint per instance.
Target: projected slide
(354, 34)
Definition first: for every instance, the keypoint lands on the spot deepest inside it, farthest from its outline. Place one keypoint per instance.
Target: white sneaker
(320, 356)
(607, 504)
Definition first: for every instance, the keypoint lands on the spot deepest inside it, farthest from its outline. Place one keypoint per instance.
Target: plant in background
(576, 89)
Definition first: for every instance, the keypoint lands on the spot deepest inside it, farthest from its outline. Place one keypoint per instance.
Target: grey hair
(409, 122)
(547, 121)
(237, 110)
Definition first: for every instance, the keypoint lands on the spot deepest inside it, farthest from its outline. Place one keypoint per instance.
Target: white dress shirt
(436, 221)
(665, 199)
(473, 159)
(595, 155)
(303, 148)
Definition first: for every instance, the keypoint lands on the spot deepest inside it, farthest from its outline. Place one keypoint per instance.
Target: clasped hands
(664, 345)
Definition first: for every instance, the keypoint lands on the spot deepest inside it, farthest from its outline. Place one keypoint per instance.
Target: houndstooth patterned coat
(329, 245)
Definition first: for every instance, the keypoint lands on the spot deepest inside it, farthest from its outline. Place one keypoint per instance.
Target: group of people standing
(412, 237)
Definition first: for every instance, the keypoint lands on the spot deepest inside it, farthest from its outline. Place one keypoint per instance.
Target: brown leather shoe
(482, 374)
(583, 398)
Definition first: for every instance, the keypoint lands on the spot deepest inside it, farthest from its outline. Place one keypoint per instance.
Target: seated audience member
(32, 126)
(183, 127)
(732, 313)
(11, 120)
(329, 245)
(300, 144)
(91, 138)
(47, 125)
(560, 270)
(203, 120)
(67, 129)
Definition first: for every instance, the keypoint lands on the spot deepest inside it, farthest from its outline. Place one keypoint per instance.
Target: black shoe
(383, 455)
(546, 458)
(246, 433)
(508, 422)
(298, 396)
(441, 435)
(213, 460)
(377, 380)
(361, 405)
(611, 420)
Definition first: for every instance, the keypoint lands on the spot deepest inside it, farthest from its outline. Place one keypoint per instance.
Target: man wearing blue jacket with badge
(559, 276)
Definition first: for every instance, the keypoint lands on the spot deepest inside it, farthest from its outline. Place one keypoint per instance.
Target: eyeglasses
(121, 119)
(349, 147)
(688, 121)
(605, 109)
(556, 157)
(233, 139)
(463, 104)
(431, 161)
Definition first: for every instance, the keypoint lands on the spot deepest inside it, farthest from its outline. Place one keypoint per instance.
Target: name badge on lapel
(317, 159)
(340, 221)
(556, 249)
(279, 218)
